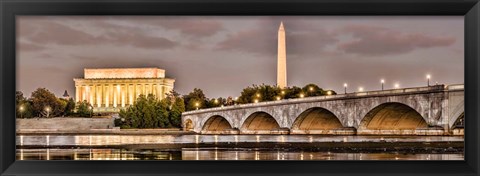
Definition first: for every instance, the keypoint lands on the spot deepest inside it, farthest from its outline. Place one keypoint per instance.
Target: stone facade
(439, 107)
(109, 90)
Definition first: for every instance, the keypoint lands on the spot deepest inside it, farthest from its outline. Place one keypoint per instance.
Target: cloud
(379, 41)
(194, 27)
(24, 46)
(49, 32)
(263, 39)
(251, 41)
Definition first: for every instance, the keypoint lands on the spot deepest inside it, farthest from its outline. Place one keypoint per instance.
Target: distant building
(65, 95)
(109, 89)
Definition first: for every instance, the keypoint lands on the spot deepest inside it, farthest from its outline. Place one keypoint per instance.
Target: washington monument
(282, 58)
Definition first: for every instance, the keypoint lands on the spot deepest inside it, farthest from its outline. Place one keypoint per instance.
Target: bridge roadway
(432, 110)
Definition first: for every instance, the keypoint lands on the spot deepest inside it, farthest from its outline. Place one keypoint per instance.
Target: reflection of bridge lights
(236, 138)
(196, 139)
(301, 156)
(258, 138)
(310, 139)
(257, 155)
(236, 155)
(196, 155)
(216, 138)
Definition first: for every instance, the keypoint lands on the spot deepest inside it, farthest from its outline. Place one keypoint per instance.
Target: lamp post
(360, 89)
(382, 81)
(47, 109)
(329, 92)
(345, 87)
(21, 111)
(302, 95)
(90, 110)
(197, 105)
(397, 85)
(428, 80)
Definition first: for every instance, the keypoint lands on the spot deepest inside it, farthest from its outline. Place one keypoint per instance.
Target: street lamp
(310, 88)
(329, 92)
(360, 89)
(283, 92)
(345, 86)
(397, 85)
(197, 105)
(258, 95)
(382, 81)
(428, 80)
(90, 110)
(278, 97)
(255, 101)
(47, 109)
(301, 95)
(21, 111)
(216, 101)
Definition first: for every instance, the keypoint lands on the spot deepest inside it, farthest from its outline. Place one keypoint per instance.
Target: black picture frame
(9, 9)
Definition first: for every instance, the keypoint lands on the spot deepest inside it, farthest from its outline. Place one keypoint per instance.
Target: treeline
(150, 112)
(43, 103)
(253, 94)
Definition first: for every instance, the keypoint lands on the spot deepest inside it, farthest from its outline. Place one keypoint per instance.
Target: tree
(69, 107)
(176, 107)
(195, 99)
(24, 107)
(259, 93)
(311, 90)
(84, 109)
(45, 103)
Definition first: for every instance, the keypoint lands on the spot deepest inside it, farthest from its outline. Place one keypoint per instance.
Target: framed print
(235, 88)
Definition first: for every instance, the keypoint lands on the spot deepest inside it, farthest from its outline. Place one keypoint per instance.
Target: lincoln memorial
(110, 89)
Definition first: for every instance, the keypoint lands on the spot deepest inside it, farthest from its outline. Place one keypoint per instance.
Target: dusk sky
(224, 54)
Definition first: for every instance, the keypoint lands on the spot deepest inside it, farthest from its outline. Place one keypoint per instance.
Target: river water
(190, 147)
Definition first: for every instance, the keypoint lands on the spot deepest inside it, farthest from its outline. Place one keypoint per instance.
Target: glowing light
(329, 93)
(345, 85)
(428, 76)
(255, 101)
(283, 92)
(310, 88)
(397, 85)
(216, 101)
(258, 95)
(382, 81)
(360, 89)
(278, 98)
(21, 108)
(301, 95)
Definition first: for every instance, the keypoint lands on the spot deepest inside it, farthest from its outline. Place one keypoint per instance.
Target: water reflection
(102, 140)
(216, 154)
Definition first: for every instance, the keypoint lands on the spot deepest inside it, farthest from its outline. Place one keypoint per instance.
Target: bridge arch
(216, 123)
(392, 116)
(188, 125)
(316, 118)
(259, 120)
(459, 122)
(457, 113)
